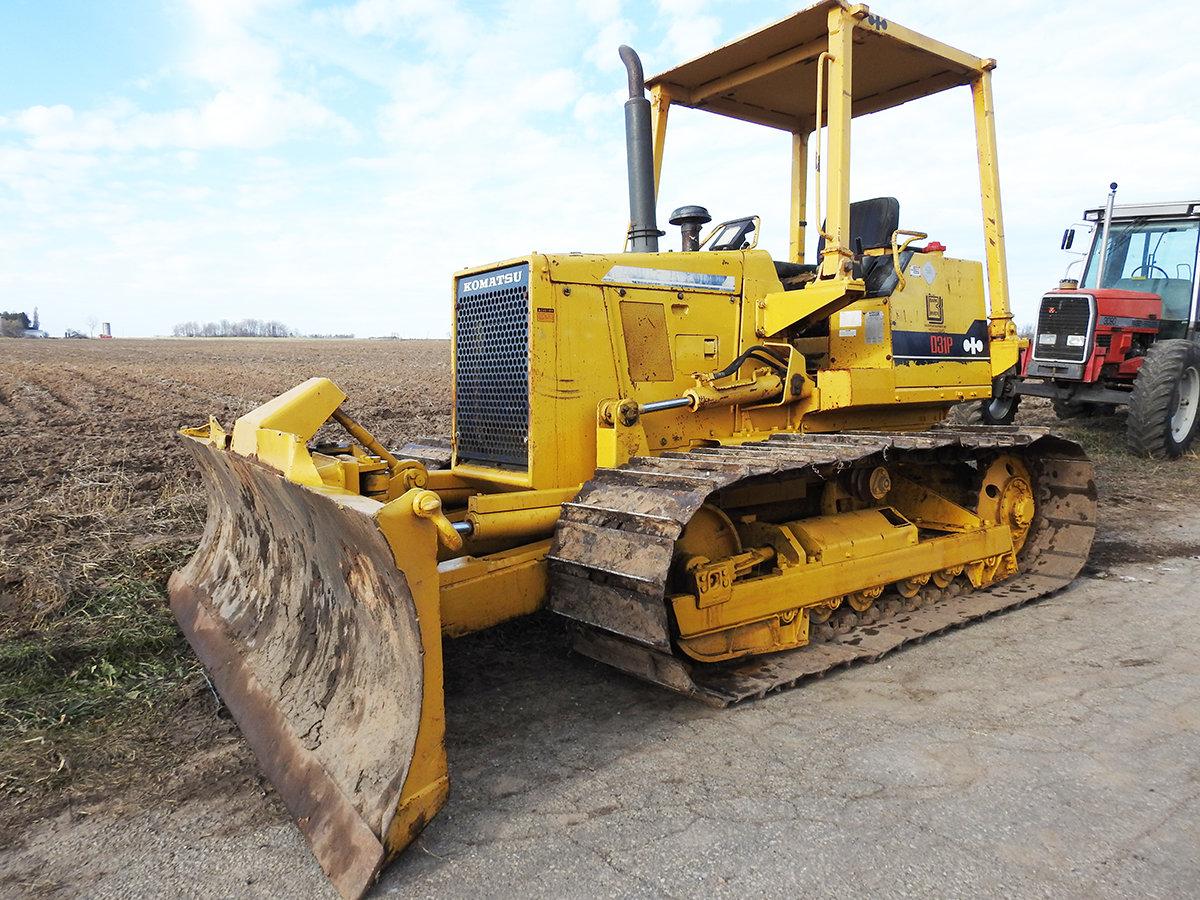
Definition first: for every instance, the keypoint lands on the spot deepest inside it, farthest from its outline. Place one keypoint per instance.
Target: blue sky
(330, 164)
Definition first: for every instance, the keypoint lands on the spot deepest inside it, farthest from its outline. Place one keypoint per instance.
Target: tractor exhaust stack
(1108, 214)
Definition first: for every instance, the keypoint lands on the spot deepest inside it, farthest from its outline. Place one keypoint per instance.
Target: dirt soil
(98, 504)
(120, 774)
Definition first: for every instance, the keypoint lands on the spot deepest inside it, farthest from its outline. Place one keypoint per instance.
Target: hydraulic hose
(757, 352)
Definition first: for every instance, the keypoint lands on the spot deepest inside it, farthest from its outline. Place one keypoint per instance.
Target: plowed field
(98, 503)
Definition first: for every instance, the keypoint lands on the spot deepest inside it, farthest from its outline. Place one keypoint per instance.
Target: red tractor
(1124, 333)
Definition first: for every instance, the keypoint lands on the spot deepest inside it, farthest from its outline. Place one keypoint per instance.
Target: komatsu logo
(510, 278)
(485, 282)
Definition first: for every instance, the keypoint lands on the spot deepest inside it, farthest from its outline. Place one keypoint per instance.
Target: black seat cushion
(873, 222)
(879, 273)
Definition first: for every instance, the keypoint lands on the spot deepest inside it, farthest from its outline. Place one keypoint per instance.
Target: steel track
(613, 548)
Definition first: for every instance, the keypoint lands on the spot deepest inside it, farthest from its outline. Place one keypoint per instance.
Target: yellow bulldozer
(728, 471)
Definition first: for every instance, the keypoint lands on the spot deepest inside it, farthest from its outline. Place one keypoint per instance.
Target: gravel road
(1050, 751)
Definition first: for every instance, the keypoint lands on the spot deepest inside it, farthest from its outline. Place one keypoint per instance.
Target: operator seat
(872, 224)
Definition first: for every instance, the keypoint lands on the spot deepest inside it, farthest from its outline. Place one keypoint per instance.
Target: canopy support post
(799, 195)
(836, 262)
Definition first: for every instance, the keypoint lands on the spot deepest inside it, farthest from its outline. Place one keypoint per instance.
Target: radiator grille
(491, 367)
(1061, 318)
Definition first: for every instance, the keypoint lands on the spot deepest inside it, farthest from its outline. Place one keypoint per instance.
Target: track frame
(611, 559)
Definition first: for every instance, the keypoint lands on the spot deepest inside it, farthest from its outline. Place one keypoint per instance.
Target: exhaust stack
(1108, 214)
(643, 226)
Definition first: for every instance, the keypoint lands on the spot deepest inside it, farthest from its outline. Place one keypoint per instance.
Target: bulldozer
(728, 472)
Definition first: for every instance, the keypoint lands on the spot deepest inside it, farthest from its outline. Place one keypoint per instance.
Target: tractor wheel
(1065, 409)
(996, 410)
(1164, 409)
(993, 411)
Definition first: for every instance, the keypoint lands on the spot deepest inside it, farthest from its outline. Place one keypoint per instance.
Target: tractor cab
(1151, 254)
(1124, 332)
(1138, 286)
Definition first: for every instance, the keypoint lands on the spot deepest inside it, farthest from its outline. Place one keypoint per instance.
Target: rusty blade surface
(295, 606)
(617, 594)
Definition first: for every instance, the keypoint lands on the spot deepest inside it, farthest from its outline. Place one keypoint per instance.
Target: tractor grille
(491, 367)
(1063, 329)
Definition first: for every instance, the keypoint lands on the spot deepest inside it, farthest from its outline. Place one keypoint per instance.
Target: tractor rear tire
(1065, 409)
(1164, 410)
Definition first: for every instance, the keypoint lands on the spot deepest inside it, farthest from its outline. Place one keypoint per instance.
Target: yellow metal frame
(809, 585)
(413, 543)
(797, 224)
(837, 50)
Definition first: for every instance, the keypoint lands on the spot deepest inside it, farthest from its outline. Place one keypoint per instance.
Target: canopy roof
(1177, 209)
(769, 77)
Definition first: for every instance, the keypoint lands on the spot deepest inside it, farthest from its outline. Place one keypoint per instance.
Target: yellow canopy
(769, 77)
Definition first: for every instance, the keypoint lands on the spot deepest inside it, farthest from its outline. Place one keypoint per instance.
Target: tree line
(15, 324)
(226, 328)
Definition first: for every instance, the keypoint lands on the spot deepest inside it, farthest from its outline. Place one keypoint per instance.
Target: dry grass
(98, 505)
(1132, 489)
(88, 650)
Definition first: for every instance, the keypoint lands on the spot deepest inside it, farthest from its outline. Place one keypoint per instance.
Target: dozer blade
(324, 642)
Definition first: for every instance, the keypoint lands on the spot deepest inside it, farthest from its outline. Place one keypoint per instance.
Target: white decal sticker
(670, 278)
(928, 272)
(848, 332)
(850, 318)
(973, 345)
(915, 272)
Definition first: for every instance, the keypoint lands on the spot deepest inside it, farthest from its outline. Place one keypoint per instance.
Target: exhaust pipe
(639, 153)
(1108, 214)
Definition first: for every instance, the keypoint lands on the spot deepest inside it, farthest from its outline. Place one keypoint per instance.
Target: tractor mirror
(1068, 238)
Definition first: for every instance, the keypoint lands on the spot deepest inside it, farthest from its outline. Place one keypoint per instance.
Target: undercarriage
(815, 550)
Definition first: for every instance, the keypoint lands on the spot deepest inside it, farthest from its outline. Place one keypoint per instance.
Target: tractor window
(1156, 256)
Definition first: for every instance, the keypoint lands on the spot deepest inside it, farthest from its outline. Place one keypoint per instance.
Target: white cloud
(443, 28)
(599, 11)
(243, 118)
(691, 30)
(377, 17)
(40, 119)
(250, 106)
(603, 51)
(690, 36)
(437, 136)
(225, 51)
